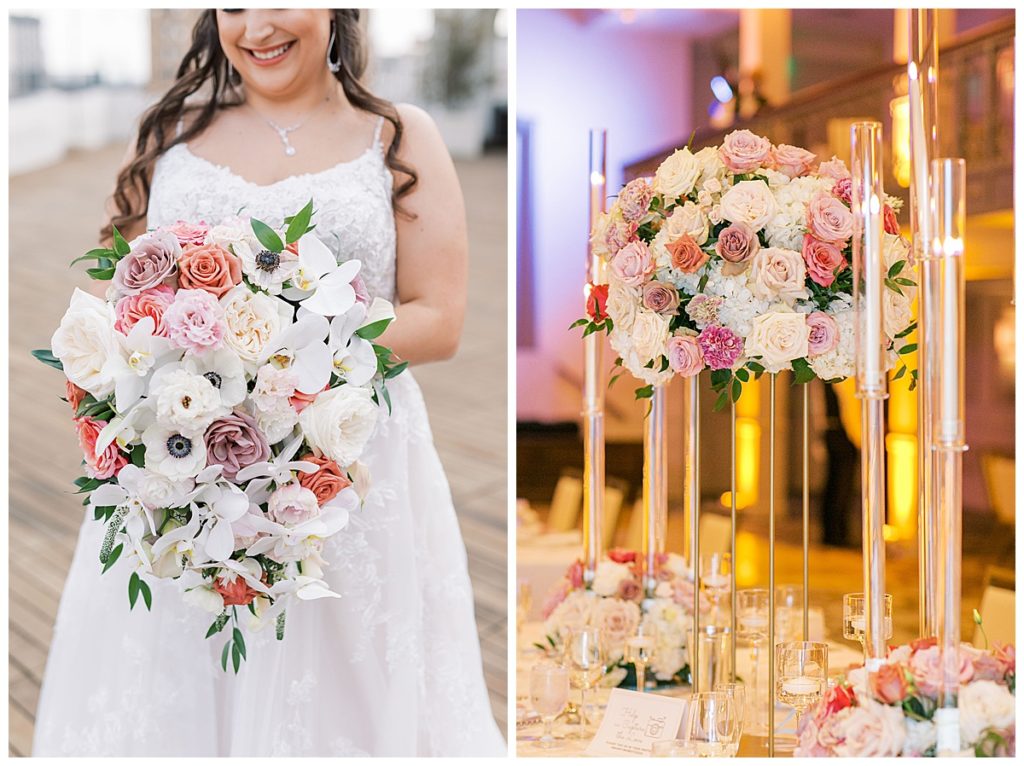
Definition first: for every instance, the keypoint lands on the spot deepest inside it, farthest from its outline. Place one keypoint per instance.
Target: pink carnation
(195, 321)
(824, 333)
(105, 464)
(684, 355)
(149, 303)
(635, 199)
(720, 346)
(619, 234)
(189, 233)
(844, 190)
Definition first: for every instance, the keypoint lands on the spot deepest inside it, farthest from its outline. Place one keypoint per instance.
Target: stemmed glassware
(549, 692)
(801, 674)
(737, 692)
(854, 617)
(585, 655)
(789, 601)
(715, 569)
(752, 626)
(639, 650)
(711, 724)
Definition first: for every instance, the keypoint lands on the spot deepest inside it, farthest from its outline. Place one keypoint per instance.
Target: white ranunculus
(85, 341)
(778, 274)
(158, 491)
(278, 421)
(984, 705)
(175, 453)
(185, 400)
(778, 337)
(607, 577)
(253, 320)
(650, 334)
(205, 598)
(687, 219)
(340, 422)
(677, 175)
(749, 202)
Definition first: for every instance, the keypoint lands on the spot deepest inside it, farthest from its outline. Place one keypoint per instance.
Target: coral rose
(210, 268)
(149, 303)
(325, 483)
(622, 555)
(236, 593)
(891, 223)
(889, 684)
(107, 463)
(75, 395)
(823, 260)
(686, 254)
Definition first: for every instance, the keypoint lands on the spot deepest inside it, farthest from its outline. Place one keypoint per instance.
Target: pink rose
(292, 505)
(871, 730)
(362, 294)
(635, 199)
(828, 219)
(556, 597)
(985, 667)
(742, 151)
(195, 321)
(1007, 655)
(153, 260)
(737, 243)
(629, 590)
(149, 303)
(106, 464)
(889, 684)
(661, 297)
(824, 333)
(234, 442)
(189, 233)
(791, 160)
(575, 574)
(686, 254)
(684, 355)
(632, 264)
(924, 666)
(834, 168)
(890, 222)
(823, 260)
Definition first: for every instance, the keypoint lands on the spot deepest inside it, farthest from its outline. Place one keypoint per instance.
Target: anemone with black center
(179, 446)
(214, 377)
(267, 260)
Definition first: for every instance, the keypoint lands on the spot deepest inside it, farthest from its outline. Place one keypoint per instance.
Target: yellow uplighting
(748, 560)
(748, 447)
(902, 490)
(899, 108)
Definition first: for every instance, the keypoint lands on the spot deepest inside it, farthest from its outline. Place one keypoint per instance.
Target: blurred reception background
(653, 78)
(79, 80)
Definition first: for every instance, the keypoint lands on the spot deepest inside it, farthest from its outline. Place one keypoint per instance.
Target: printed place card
(633, 722)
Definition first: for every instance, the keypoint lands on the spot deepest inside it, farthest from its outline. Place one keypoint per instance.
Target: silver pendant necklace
(283, 132)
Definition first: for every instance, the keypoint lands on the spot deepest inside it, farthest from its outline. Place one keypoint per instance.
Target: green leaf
(614, 378)
(218, 624)
(910, 328)
(908, 349)
(121, 248)
(721, 401)
(802, 372)
(644, 392)
(239, 642)
(905, 282)
(743, 375)
(579, 323)
(138, 455)
(224, 656)
(101, 274)
(297, 225)
(133, 589)
(100, 253)
(46, 356)
(267, 236)
(147, 594)
(895, 269)
(591, 329)
(893, 286)
(737, 389)
(373, 330)
(112, 557)
(900, 373)
(236, 657)
(398, 369)
(387, 398)
(757, 368)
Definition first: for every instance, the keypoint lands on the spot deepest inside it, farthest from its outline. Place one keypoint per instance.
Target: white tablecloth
(541, 561)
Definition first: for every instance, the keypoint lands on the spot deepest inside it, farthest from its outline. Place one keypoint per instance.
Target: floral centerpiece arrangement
(615, 602)
(890, 712)
(737, 259)
(223, 394)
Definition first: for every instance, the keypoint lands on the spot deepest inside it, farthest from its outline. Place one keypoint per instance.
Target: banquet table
(841, 655)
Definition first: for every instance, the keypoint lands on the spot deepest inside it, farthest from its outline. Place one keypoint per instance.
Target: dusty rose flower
(844, 190)
(791, 160)
(828, 219)
(834, 168)
(986, 667)
(1007, 655)
(686, 254)
(149, 303)
(684, 355)
(737, 243)
(889, 684)
(152, 260)
(235, 593)
(618, 620)
(195, 321)
(872, 730)
(720, 346)
(742, 151)
(703, 309)
(890, 222)
(632, 264)
(629, 590)
(597, 303)
(210, 268)
(823, 259)
(74, 394)
(924, 666)
(234, 442)
(189, 233)
(661, 297)
(105, 464)
(635, 199)
(325, 483)
(824, 333)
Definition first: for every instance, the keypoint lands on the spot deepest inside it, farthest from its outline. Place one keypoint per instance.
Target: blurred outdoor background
(78, 83)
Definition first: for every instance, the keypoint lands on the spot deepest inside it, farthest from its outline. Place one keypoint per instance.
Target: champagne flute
(584, 651)
(854, 617)
(640, 649)
(738, 693)
(711, 724)
(549, 691)
(801, 674)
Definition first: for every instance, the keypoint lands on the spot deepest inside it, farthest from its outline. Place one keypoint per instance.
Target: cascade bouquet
(890, 712)
(223, 394)
(737, 259)
(615, 602)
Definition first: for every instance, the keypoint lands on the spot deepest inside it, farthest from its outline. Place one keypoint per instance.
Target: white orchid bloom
(224, 369)
(301, 348)
(320, 273)
(285, 541)
(221, 504)
(127, 427)
(353, 357)
(142, 353)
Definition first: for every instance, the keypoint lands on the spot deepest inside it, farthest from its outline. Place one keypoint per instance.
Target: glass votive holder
(714, 657)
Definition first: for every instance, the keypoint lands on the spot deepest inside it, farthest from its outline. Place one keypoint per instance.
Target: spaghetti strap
(179, 127)
(377, 131)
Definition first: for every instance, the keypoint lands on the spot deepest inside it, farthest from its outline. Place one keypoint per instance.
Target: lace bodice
(352, 203)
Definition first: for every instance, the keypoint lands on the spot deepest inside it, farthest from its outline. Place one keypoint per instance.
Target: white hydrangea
(787, 228)
(920, 737)
(740, 306)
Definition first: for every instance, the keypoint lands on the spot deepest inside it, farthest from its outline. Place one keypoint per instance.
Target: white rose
(895, 248)
(85, 341)
(278, 421)
(778, 338)
(618, 620)
(186, 401)
(675, 564)
(984, 705)
(749, 202)
(677, 175)
(253, 320)
(621, 306)
(711, 165)
(650, 334)
(205, 597)
(778, 274)
(687, 219)
(598, 236)
(608, 576)
(898, 313)
(340, 422)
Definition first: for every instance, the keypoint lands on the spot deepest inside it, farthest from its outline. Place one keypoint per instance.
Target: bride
(267, 112)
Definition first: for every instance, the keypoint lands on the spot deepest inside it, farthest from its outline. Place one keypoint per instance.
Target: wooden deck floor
(54, 215)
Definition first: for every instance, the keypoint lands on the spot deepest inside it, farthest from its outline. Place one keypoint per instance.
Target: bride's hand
(432, 249)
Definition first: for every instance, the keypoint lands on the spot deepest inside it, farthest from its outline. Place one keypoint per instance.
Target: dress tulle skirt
(390, 668)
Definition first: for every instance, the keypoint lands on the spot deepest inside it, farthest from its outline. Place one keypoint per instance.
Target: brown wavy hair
(206, 65)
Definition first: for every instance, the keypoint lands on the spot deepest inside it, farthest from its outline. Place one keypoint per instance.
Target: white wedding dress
(391, 668)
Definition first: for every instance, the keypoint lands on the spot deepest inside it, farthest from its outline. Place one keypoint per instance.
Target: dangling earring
(231, 73)
(334, 66)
